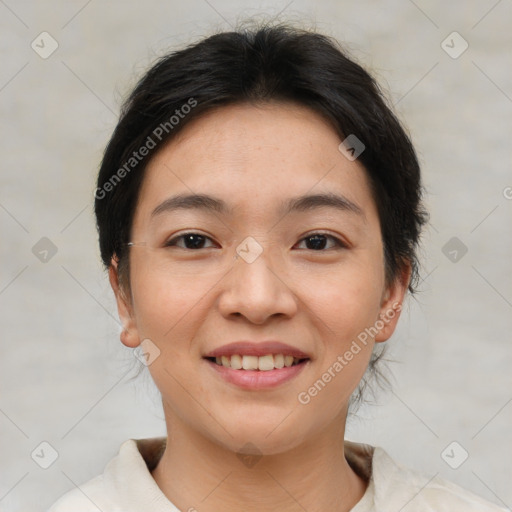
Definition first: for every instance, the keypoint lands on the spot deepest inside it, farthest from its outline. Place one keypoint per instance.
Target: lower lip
(258, 379)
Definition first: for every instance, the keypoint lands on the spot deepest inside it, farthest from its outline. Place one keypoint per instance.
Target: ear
(391, 305)
(129, 335)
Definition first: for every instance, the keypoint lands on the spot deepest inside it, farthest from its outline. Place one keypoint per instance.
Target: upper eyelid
(178, 237)
(338, 240)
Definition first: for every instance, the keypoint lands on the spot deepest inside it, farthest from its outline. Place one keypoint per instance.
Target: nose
(256, 291)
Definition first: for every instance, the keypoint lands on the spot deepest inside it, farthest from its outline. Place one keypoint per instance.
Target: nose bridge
(257, 268)
(255, 288)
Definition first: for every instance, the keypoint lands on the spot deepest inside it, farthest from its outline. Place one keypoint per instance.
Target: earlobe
(128, 339)
(129, 335)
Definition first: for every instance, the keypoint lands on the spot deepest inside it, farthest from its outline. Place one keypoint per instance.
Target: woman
(259, 209)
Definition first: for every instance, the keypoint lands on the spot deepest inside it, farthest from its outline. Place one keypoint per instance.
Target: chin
(263, 436)
(260, 444)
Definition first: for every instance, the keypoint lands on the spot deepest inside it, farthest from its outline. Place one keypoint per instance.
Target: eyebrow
(328, 199)
(302, 203)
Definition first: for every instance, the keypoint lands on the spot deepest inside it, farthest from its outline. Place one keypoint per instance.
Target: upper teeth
(265, 363)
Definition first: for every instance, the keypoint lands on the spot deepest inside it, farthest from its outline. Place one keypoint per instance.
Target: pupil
(194, 241)
(318, 242)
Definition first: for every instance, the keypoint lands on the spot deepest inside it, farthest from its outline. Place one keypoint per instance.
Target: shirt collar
(129, 474)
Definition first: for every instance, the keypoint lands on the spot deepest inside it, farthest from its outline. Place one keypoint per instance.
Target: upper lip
(251, 348)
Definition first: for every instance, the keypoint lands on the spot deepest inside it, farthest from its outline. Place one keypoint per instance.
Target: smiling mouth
(262, 363)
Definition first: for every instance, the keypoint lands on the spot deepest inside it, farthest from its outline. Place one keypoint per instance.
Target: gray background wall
(63, 371)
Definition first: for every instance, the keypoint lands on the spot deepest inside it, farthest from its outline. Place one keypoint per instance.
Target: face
(284, 258)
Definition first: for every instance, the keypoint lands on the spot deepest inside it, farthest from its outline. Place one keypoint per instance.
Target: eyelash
(338, 243)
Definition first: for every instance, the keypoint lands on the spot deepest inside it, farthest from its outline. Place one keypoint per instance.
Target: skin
(191, 301)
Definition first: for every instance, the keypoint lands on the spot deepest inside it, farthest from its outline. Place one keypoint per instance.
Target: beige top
(126, 485)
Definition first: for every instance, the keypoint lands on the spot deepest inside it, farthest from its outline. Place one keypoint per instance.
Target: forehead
(255, 155)
(246, 133)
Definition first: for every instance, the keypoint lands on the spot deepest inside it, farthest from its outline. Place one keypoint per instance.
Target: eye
(189, 241)
(319, 241)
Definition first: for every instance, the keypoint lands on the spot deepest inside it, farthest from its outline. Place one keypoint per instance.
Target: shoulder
(102, 491)
(88, 497)
(399, 488)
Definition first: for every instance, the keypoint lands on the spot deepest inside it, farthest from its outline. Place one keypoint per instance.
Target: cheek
(347, 298)
(166, 303)
(344, 304)
(343, 308)
(169, 311)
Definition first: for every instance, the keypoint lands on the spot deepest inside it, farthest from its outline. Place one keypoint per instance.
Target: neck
(196, 474)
